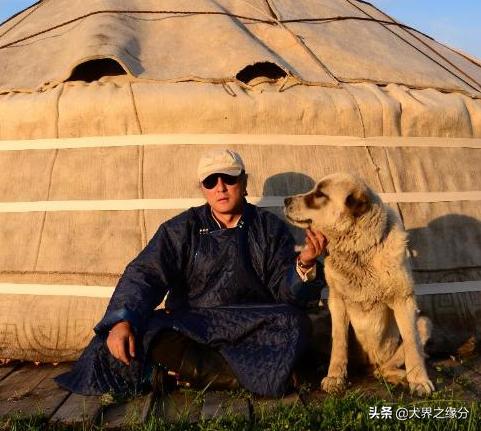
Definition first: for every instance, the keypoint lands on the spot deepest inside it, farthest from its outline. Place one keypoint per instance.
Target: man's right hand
(121, 342)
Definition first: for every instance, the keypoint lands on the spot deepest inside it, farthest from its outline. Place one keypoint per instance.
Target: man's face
(224, 198)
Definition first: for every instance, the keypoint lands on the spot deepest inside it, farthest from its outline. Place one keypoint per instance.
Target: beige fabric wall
(92, 247)
(310, 75)
(47, 328)
(96, 244)
(118, 107)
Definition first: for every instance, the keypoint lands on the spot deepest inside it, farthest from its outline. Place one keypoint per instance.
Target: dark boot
(204, 367)
(166, 353)
(162, 382)
(198, 365)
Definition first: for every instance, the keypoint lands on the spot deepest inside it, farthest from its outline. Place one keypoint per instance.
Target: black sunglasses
(211, 181)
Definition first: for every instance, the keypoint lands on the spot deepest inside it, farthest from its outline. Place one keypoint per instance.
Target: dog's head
(333, 206)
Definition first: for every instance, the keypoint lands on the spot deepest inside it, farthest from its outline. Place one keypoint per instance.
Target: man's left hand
(314, 247)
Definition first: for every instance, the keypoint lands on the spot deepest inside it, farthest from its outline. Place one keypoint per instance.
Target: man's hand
(314, 247)
(121, 342)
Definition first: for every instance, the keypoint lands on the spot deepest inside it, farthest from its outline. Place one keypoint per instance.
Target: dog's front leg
(336, 378)
(405, 313)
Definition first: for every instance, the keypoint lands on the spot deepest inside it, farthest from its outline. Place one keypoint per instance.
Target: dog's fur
(370, 283)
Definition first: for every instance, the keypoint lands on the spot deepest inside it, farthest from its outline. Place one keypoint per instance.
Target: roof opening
(93, 70)
(266, 69)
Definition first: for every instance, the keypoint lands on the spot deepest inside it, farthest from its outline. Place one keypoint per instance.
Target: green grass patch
(354, 411)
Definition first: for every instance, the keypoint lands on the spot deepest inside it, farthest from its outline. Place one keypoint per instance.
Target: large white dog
(370, 283)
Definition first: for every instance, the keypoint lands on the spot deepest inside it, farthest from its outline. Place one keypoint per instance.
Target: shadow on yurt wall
(443, 252)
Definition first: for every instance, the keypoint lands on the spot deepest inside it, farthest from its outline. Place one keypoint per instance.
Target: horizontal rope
(188, 13)
(168, 204)
(431, 197)
(133, 12)
(235, 139)
(56, 290)
(106, 291)
(453, 287)
(433, 288)
(100, 205)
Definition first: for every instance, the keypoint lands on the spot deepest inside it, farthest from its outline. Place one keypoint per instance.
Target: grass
(353, 411)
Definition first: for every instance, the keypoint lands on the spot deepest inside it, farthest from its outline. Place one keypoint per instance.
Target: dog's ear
(358, 203)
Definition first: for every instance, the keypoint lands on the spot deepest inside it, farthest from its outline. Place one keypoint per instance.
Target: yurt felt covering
(297, 79)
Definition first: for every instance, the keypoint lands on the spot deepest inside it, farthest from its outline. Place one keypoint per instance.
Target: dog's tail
(425, 329)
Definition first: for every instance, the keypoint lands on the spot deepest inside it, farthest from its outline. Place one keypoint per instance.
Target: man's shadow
(286, 184)
(448, 250)
(314, 362)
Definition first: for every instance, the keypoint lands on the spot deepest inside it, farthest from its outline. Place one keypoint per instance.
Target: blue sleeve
(283, 280)
(145, 282)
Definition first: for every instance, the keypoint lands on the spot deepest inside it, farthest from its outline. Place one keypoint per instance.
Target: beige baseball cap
(220, 162)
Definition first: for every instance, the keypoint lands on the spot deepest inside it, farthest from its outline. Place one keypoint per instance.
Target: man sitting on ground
(234, 284)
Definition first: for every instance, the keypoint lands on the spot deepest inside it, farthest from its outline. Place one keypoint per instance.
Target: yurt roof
(321, 42)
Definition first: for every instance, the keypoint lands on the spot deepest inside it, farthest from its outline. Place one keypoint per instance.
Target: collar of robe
(240, 222)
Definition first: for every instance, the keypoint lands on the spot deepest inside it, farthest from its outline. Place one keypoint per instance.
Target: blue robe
(236, 290)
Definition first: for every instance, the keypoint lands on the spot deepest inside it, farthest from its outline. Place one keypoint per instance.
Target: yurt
(106, 106)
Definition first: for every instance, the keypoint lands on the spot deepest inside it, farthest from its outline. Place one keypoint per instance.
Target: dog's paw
(395, 376)
(334, 385)
(421, 387)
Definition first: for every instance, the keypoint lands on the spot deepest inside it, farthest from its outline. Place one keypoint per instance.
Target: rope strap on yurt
(227, 139)
(185, 203)
(174, 12)
(106, 291)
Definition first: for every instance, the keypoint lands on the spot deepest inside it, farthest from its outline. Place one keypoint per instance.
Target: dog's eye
(319, 194)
